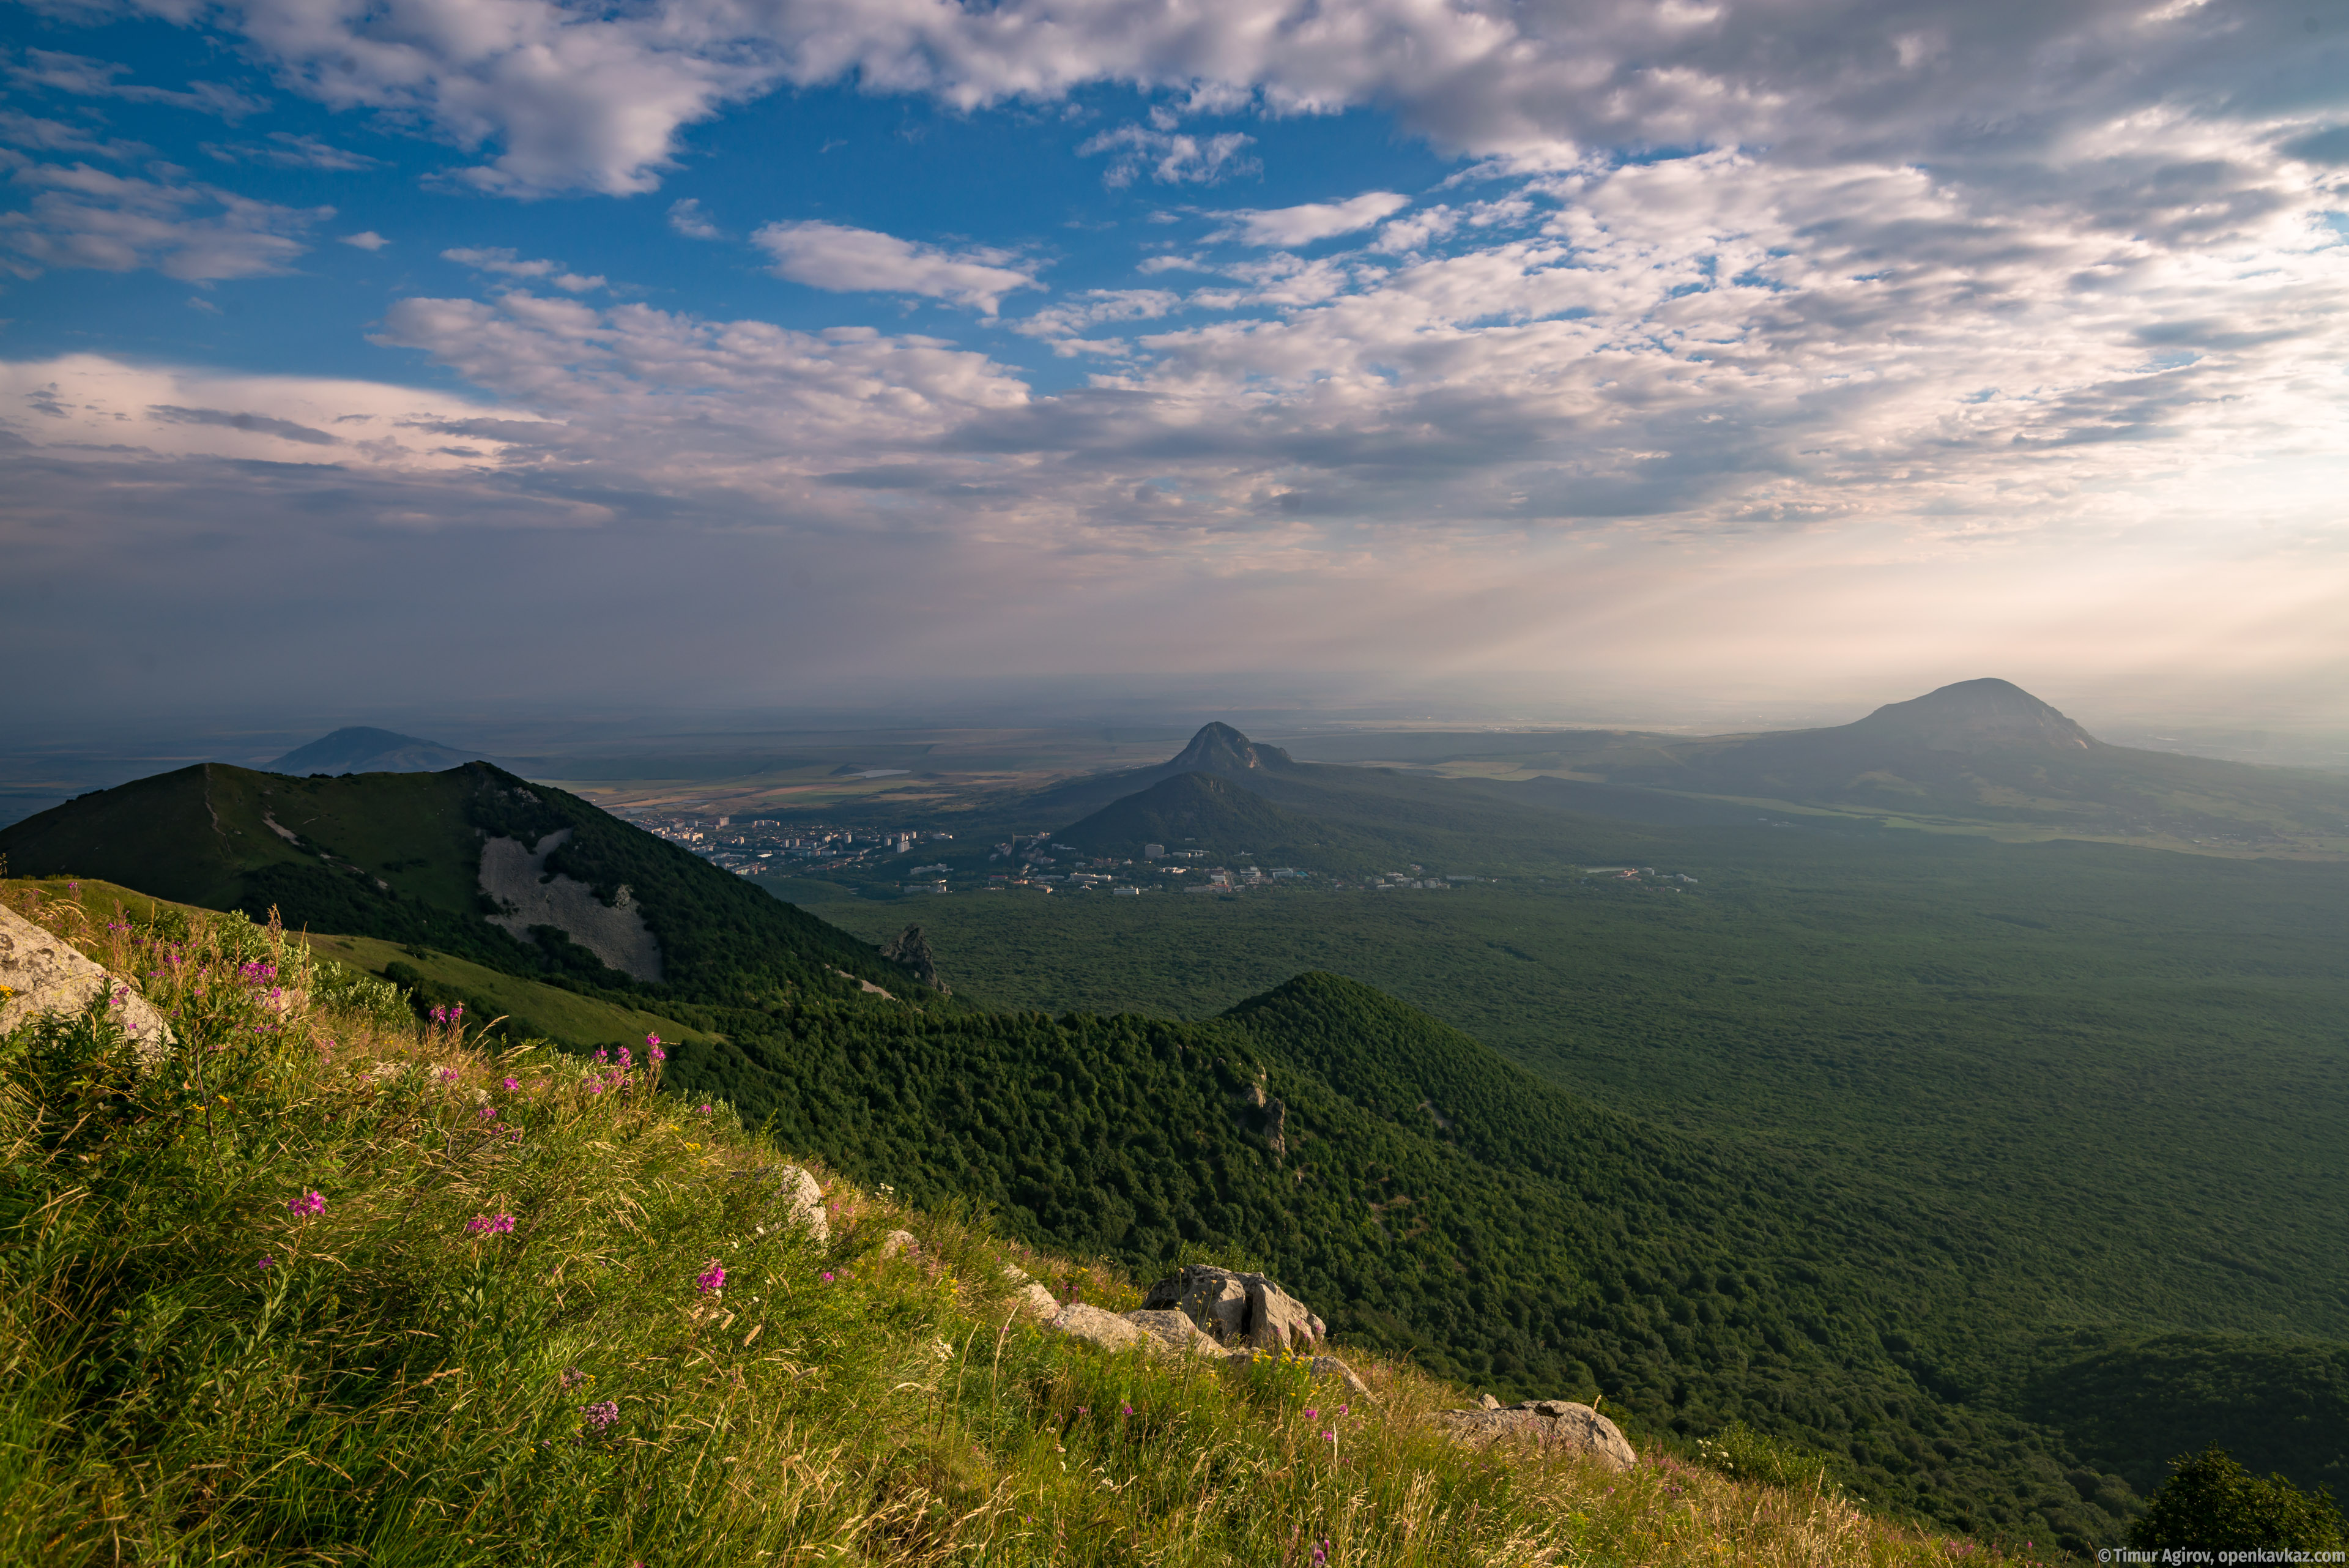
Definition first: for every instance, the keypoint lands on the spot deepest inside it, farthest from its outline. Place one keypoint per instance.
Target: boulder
(1030, 1295)
(1174, 1332)
(41, 973)
(1095, 1326)
(1237, 1309)
(897, 1241)
(798, 1189)
(1322, 1367)
(1558, 1425)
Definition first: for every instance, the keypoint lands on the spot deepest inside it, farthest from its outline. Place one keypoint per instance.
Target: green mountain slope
(400, 856)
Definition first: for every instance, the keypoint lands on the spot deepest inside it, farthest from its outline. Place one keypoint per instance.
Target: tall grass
(320, 1285)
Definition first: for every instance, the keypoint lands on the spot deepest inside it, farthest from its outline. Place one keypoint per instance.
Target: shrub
(2211, 1503)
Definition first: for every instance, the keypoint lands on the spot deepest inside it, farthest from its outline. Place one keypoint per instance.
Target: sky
(777, 350)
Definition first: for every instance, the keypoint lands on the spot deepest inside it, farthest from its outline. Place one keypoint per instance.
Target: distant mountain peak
(358, 748)
(1218, 748)
(1985, 715)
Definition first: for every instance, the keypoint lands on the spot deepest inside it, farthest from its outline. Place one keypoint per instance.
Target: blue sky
(1757, 347)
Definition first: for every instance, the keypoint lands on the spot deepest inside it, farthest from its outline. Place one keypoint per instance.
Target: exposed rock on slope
(517, 878)
(40, 973)
(1545, 1423)
(911, 949)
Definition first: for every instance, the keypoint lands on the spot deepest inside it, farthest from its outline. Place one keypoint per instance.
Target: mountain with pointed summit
(356, 749)
(1218, 748)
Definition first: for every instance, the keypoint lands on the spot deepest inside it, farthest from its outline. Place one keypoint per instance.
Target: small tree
(2211, 1503)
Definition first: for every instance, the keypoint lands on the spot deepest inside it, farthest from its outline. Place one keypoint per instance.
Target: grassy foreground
(321, 1285)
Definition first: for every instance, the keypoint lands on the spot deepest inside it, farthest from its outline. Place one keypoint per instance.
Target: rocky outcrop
(515, 877)
(1558, 1425)
(911, 949)
(1240, 1310)
(897, 1241)
(796, 1189)
(1031, 1296)
(41, 973)
(1095, 1326)
(1176, 1332)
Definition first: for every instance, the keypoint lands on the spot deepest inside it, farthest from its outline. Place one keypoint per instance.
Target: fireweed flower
(267, 1261)
(490, 1224)
(827, 1276)
(309, 1203)
(712, 1278)
(512, 1084)
(488, 1111)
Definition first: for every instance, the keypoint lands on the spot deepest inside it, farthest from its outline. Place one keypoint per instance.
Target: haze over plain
(555, 352)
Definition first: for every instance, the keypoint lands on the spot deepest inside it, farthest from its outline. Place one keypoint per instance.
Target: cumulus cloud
(510, 263)
(365, 240)
(835, 256)
(1301, 225)
(85, 217)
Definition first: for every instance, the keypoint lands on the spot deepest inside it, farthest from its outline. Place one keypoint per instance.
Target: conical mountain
(1987, 715)
(1218, 748)
(356, 749)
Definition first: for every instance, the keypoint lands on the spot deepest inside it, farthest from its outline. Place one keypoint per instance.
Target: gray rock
(42, 974)
(1558, 1425)
(1174, 1331)
(1096, 1326)
(1486, 1402)
(1237, 1309)
(911, 949)
(798, 1189)
(1330, 1367)
(897, 1241)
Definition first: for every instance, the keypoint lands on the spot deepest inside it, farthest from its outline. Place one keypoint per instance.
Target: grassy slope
(535, 1009)
(199, 1374)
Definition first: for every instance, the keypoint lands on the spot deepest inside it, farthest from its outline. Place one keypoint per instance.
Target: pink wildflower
(490, 1224)
(309, 1203)
(267, 1261)
(601, 1415)
(512, 1084)
(713, 1278)
(488, 1113)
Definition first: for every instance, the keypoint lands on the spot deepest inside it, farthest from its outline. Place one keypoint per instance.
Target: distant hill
(359, 749)
(1988, 750)
(1202, 811)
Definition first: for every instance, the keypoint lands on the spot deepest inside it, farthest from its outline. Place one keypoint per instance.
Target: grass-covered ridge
(325, 1286)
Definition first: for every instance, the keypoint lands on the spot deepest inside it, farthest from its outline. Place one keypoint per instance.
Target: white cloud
(1301, 225)
(509, 263)
(834, 256)
(85, 217)
(1173, 157)
(686, 218)
(365, 240)
(22, 130)
(45, 69)
(285, 149)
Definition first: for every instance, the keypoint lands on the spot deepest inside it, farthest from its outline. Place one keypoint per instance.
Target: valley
(1926, 1152)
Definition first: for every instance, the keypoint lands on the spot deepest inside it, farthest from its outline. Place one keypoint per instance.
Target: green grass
(534, 1008)
(203, 1365)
